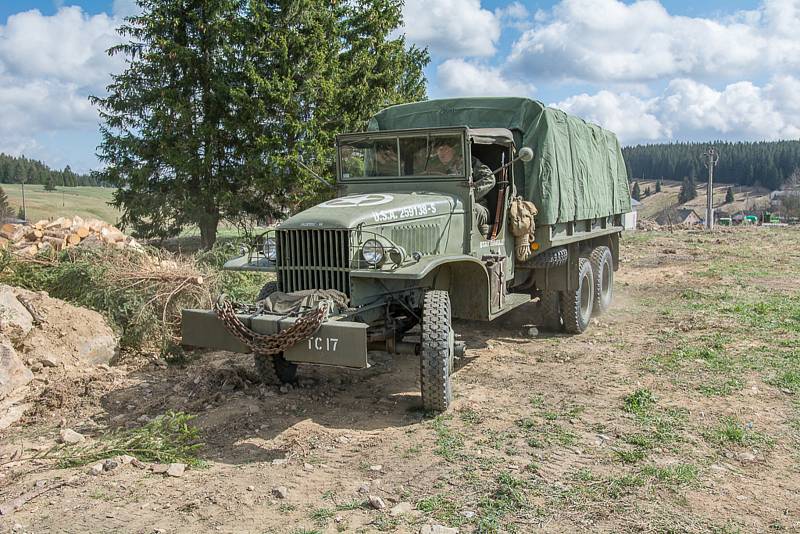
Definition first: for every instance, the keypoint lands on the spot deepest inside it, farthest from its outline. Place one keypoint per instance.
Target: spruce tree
(636, 193)
(729, 196)
(50, 184)
(5, 209)
(688, 190)
(658, 186)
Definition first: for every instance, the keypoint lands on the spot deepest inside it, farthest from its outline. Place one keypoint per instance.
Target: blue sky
(650, 71)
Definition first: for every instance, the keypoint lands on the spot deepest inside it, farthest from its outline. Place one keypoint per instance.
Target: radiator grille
(314, 259)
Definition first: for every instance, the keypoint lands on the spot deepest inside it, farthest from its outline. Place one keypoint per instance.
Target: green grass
(639, 402)
(87, 202)
(731, 431)
(321, 516)
(449, 442)
(673, 475)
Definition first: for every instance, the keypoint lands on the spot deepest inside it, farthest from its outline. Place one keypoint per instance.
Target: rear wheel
(436, 354)
(603, 269)
(576, 306)
(550, 306)
(275, 369)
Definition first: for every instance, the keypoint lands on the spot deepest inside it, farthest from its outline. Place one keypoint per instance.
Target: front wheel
(576, 306)
(275, 369)
(436, 352)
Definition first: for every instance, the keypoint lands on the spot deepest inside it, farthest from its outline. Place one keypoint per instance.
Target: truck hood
(372, 209)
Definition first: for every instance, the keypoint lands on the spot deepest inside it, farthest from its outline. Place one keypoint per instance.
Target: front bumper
(340, 343)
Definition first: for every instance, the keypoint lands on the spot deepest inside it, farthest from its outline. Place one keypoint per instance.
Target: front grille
(314, 259)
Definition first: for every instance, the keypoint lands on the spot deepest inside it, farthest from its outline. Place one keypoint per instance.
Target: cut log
(82, 231)
(56, 242)
(77, 222)
(95, 225)
(15, 235)
(112, 235)
(3, 242)
(73, 239)
(32, 234)
(59, 233)
(30, 250)
(41, 224)
(54, 224)
(9, 228)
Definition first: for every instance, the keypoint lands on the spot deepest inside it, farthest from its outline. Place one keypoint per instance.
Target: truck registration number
(323, 343)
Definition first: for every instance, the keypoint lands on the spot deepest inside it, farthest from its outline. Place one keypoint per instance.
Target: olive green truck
(397, 254)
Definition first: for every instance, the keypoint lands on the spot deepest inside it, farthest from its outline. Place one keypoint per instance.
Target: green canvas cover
(577, 171)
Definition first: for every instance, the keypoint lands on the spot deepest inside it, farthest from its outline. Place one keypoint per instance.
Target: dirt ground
(676, 412)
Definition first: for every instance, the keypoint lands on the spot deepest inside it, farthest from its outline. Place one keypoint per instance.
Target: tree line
(228, 109)
(766, 163)
(15, 170)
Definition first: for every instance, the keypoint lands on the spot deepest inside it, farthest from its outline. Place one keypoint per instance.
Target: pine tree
(220, 98)
(647, 191)
(688, 190)
(658, 186)
(729, 196)
(636, 193)
(21, 214)
(50, 184)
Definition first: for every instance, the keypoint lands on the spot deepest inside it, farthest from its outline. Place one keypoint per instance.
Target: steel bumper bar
(340, 343)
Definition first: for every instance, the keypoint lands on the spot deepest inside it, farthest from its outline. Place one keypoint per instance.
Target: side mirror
(526, 154)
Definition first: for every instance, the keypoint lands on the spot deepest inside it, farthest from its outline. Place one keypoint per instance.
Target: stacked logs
(53, 236)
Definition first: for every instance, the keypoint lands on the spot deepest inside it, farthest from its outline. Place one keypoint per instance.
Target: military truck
(396, 255)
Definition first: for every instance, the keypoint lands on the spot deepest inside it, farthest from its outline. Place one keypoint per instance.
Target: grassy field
(88, 202)
(745, 197)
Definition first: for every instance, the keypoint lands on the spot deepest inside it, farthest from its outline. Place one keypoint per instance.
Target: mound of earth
(44, 341)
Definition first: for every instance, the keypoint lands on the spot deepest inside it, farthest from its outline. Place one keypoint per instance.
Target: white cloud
(451, 28)
(608, 40)
(691, 110)
(49, 65)
(514, 15)
(125, 8)
(458, 77)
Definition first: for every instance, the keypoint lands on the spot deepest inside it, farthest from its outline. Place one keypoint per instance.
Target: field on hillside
(678, 411)
(88, 202)
(745, 198)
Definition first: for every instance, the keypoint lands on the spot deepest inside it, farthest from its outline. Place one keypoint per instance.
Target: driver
(447, 160)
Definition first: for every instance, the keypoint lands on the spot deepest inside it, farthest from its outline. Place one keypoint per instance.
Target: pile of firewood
(52, 236)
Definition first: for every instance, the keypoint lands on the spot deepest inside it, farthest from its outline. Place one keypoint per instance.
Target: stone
(342, 439)
(176, 470)
(308, 467)
(376, 502)
(279, 461)
(70, 437)
(96, 469)
(251, 488)
(437, 529)
(160, 469)
(125, 459)
(49, 361)
(13, 373)
(363, 488)
(375, 467)
(15, 319)
(469, 514)
(99, 349)
(280, 492)
(400, 509)
(746, 457)
(110, 465)
(533, 331)
(284, 389)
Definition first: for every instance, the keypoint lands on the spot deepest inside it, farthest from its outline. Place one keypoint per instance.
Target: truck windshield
(403, 156)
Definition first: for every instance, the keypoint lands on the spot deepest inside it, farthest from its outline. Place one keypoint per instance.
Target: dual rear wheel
(571, 311)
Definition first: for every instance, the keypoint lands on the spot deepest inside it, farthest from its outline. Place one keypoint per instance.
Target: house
(678, 216)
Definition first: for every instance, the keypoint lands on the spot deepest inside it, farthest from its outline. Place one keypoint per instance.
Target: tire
(268, 289)
(436, 352)
(550, 258)
(577, 305)
(550, 306)
(275, 370)
(603, 268)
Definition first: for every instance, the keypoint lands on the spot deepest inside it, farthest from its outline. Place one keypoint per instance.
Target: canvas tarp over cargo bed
(577, 171)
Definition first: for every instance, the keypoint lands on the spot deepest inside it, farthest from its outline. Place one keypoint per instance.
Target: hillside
(746, 197)
(87, 202)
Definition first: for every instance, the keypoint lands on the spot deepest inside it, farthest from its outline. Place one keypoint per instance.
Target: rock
(125, 459)
(532, 331)
(160, 469)
(375, 467)
(280, 492)
(13, 373)
(279, 461)
(11, 410)
(48, 361)
(400, 509)
(376, 502)
(342, 439)
(96, 469)
(469, 514)
(437, 529)
(176, 470)
(99, 349)
(285, 388)
(363, 488)
(70, 437)
(308, 467)
(15, 320)
(305, 382)
(251, 488)
(746, 457)
(110, 465)
(138, 464)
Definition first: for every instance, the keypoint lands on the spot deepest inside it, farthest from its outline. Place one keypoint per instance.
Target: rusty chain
(269, 344)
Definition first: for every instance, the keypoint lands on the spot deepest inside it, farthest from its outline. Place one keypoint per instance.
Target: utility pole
(712, 158)
(24, 211)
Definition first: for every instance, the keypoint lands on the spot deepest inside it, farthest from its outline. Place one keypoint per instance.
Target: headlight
(372, 252)
(270, 249)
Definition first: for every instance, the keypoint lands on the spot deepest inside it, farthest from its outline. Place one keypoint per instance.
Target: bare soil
(677, 411)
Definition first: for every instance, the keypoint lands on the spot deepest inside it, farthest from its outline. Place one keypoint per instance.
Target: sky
(651, 71)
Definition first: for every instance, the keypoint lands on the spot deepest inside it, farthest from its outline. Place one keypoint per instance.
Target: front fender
(417, 270)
